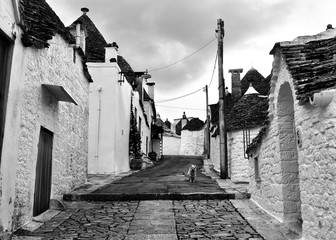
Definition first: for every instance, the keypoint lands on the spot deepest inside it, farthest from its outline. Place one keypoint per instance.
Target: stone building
(44, 111)
(116, 86)
(192, 138)
(246, 112)
(292, 159)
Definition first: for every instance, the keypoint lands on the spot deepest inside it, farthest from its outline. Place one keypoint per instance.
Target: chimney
(236, 85)
(151, 89)
(184, 120)
(111, 52)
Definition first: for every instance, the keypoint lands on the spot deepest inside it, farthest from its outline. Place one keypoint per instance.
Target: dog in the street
(191, 174)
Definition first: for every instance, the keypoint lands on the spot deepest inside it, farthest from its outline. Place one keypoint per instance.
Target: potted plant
(135, 144)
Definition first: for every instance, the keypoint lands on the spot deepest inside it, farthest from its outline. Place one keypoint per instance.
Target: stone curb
(152, 196)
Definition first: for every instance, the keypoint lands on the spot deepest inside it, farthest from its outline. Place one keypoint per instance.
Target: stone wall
(192, 142)
(315, 160)
(68, 122)
(171, 145)
(238, 165)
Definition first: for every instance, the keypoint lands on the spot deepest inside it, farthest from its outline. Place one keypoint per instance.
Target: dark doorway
(5, 56)
(43, 172)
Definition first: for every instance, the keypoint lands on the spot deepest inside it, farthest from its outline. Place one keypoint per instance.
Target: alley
(164, 215)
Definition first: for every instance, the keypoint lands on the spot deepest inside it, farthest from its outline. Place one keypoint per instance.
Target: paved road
(159, 219)
(165, 177)
(165, 219)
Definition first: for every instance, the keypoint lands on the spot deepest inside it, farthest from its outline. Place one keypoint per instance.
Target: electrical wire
(199, 109)
(213, 71)
(168, 100)
(186, 57)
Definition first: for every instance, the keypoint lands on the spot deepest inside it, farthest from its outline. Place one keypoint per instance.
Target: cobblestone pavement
(205, 219)
(211, 220)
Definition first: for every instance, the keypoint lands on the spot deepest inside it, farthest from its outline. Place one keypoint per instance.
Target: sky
(175, 39)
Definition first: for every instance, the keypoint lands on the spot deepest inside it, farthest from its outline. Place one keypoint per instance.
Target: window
(5, 55)
(256, 169)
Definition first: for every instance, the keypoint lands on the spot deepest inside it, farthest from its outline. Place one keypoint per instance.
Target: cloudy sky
(156, 34)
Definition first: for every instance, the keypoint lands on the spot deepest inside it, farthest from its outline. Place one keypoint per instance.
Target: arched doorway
(289, 158)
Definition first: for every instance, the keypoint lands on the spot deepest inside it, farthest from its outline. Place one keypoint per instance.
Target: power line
(213, 71)
(199, 109)
(168, 100)
(188, 56)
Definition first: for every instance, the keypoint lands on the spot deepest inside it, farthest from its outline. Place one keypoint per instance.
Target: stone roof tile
(40, 23)
(194, 124)
(95, 43)
(311, 64)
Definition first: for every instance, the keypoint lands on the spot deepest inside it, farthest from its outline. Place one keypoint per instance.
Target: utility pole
(208, 122)
(222, 104)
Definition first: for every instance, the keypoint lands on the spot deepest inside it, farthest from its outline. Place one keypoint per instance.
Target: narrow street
(170, 218)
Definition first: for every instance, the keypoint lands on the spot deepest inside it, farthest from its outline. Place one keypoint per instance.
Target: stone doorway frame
(289, 157)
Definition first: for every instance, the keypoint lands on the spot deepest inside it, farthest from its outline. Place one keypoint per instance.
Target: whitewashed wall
(110, 109)
(238, 166)
(30, 107)
(192, 142)
(171, 145)
(316, 163)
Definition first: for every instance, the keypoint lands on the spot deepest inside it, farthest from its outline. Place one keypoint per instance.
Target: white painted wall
(171, 144)
(28, 108)
(238, 166)
(110, 104)
(192, 142)
(316, 159)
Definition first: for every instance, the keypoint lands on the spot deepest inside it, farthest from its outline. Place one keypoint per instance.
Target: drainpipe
(98, 128)
(16, 11)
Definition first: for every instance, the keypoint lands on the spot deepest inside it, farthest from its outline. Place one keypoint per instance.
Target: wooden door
(43, 172)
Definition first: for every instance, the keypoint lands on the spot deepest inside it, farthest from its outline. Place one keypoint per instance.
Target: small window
(256, 169)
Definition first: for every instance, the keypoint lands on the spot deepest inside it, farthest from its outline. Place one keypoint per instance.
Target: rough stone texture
(192, 142)
(68, 122)
(238, 165)
(171, 144)
(315, 160)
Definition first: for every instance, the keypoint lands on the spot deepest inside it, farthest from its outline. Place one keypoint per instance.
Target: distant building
(192, 138)
(292, 159)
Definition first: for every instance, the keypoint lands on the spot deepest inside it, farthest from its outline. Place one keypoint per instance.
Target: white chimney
(111, 52)
(150, 86)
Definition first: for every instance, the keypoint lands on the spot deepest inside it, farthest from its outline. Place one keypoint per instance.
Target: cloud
(153, 34)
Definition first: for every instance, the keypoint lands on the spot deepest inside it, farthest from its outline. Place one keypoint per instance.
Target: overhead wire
(198, 109)
(213, 71)
(171, 99)
(186, 57)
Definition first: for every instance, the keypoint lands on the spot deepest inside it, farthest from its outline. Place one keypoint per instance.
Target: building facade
(44, 111)
(292, 159)
(117, 87)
